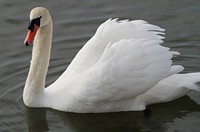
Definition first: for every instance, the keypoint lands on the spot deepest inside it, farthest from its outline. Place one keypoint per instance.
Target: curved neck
(35, 82)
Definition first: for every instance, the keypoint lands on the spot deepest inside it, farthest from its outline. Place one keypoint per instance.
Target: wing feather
(108, 33)
(122, 60)
(126, 69)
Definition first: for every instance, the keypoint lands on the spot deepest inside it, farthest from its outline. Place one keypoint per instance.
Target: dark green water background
(75, 21)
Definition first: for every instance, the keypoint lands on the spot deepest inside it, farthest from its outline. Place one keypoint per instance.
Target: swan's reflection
(124, 121)
(36, 119)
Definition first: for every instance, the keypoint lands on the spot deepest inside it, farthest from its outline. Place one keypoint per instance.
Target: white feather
(122, 67)
(171, 88)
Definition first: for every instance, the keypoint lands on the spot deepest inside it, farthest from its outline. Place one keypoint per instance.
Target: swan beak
(31, 35)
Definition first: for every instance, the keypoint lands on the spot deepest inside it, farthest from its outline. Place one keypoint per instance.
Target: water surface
(75, 21)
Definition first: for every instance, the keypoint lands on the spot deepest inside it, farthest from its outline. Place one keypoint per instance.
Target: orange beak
(31, 35)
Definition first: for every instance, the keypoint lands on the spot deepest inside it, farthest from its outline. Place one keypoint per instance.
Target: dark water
(75, 21)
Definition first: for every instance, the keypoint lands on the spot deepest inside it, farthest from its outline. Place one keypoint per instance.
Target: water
(74, 23)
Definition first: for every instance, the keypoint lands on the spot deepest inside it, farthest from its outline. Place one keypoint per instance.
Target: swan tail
(191, 81)
(171, 88)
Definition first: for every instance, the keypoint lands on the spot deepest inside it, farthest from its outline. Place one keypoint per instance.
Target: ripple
(13, 21)
(74, 24)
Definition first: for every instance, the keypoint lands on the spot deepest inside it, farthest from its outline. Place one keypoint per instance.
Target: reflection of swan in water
(124, 121)
(75, 122)
(122, 67)
(36, 119)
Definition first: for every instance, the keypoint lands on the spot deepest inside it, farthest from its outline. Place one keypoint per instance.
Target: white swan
(122, 67)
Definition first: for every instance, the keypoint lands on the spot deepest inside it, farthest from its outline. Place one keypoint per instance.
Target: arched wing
(110, 32)
(126, 69)
(122, 60)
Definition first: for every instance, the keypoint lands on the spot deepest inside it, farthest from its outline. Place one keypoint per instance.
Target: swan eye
(33, 22)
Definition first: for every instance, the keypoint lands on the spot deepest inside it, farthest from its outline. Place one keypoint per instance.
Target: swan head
(39, 17)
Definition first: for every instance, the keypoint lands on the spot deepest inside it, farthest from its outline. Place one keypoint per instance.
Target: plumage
(123, 67)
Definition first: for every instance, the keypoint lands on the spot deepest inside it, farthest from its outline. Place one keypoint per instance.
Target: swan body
(122, 67)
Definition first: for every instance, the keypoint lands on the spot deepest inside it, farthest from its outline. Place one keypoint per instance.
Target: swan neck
(35, 83)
